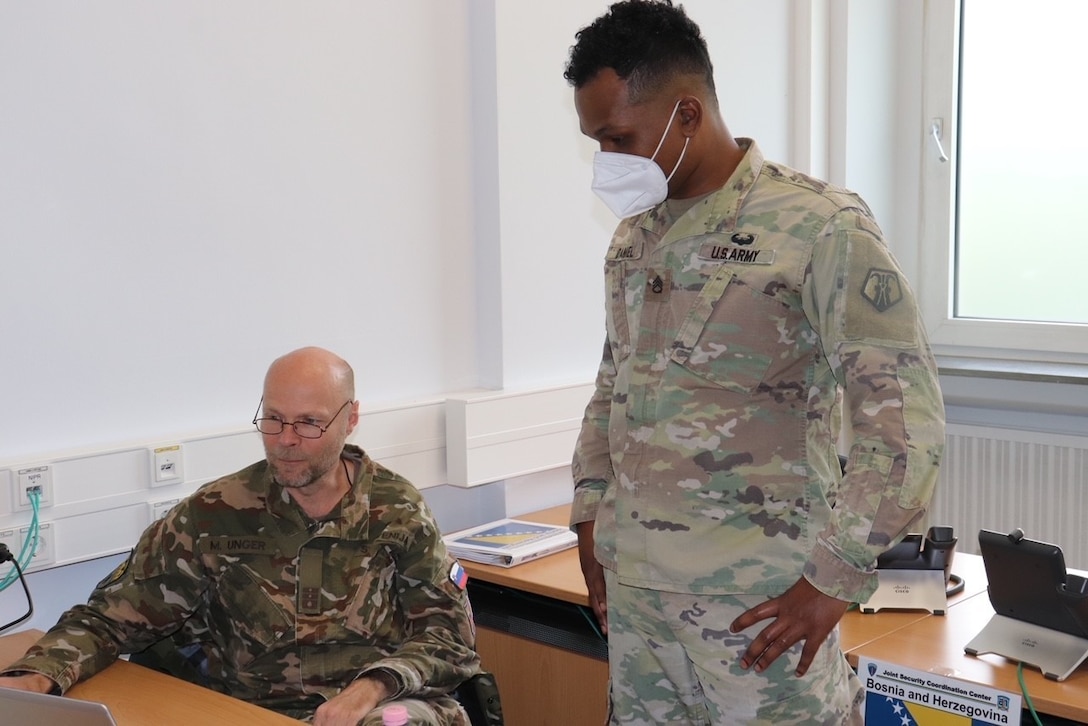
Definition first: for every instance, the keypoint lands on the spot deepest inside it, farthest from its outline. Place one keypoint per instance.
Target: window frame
(952, 336)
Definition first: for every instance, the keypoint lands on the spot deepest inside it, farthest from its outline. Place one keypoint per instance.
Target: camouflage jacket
(287, 611)
(738, 337)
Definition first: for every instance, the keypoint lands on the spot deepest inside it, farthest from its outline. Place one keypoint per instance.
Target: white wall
(553, 231)
(191, 189)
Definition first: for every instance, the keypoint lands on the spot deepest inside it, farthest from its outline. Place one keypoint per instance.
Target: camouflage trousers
(673, 660)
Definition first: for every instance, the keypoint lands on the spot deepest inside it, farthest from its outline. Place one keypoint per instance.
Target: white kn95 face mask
(629, 184)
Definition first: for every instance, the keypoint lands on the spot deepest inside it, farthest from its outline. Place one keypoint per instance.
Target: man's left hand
(800, 613)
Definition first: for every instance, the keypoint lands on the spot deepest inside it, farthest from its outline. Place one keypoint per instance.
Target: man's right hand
(593, 572)
(28, 682)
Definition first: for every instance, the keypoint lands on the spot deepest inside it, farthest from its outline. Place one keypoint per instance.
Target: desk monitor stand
(909, 590)
(1055, 653)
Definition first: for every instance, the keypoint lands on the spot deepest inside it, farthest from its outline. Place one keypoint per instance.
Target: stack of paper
(509, 542)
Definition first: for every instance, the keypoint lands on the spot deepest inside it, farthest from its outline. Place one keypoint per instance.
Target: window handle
(935, 131)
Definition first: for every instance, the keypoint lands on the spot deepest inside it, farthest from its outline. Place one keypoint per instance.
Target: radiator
(1001, 479)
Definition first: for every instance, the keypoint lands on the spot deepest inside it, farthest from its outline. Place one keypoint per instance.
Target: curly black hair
(646, 42)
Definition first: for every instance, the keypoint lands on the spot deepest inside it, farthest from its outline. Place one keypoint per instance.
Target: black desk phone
(932, 551)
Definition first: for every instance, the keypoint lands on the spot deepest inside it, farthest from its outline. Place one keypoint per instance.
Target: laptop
(40, 709)
(1023, 577)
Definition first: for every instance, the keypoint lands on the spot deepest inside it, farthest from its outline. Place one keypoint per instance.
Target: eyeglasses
(305, 429)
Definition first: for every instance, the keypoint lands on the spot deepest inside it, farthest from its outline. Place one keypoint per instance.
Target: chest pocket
(346, 585)
(253, 615)
(727, 336)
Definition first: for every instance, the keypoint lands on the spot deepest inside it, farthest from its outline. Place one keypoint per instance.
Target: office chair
(479, 696)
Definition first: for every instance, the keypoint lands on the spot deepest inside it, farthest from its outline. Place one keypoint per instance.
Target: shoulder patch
(882, 289)
(117, 574)
(879, 306)
(458, 576)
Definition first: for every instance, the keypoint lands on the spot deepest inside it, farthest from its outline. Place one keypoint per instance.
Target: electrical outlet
(8, 537)
(166, 465)
(36, 478)
(159, 508)
(45, 552)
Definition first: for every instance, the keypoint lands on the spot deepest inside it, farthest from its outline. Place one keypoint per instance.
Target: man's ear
(690, 112)
(353, 417)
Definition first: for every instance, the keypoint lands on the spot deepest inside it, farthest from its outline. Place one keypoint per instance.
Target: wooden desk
(138, 696)
(541, 684)
(526, 696)
(560, 576)
(935, 644)
(857, 629)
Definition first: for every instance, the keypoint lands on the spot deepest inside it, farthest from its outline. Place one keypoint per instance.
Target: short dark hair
(646, 42)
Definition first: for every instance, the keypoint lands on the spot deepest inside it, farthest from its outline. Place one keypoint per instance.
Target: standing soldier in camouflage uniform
(750, 310)
(314, 583)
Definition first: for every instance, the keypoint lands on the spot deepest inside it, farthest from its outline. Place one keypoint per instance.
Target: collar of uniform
(350, 520)
(725, 204)
(355, 506)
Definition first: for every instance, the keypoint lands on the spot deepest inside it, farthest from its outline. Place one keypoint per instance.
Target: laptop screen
(25, 707)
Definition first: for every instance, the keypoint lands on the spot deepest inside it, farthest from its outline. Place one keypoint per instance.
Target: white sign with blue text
(898, 696)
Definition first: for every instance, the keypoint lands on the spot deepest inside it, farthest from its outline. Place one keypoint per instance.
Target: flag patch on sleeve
(458, 576)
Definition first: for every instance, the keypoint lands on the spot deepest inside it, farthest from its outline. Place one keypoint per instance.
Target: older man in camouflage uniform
(750, 308)
(314, 583)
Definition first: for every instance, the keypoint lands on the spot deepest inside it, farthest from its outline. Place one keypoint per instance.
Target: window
(1005, 227)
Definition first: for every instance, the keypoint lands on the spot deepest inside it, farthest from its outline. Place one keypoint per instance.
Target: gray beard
(311, 477)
